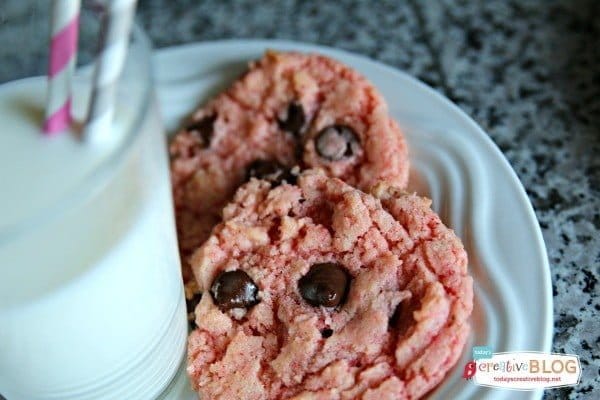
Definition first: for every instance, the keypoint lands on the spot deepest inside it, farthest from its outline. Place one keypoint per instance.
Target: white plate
(454, 162)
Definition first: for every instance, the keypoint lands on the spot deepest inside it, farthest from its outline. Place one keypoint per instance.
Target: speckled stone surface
(527, 71)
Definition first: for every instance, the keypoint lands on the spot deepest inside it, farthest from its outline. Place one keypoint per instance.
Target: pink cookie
(288, 109)
(320, 291)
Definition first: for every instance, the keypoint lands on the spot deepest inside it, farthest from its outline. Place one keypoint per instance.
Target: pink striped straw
(61, 64)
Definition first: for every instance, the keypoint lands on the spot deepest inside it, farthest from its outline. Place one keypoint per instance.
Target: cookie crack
(449, 321)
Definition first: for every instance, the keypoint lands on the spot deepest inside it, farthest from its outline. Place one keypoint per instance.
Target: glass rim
(98, 177)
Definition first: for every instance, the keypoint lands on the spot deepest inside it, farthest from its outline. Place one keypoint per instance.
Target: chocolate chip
(395, 318)
(234, 289)
(193, 302)
(336, 142)
(325, 333)
(325, 284)
(271, 171)
(203, 128)
(191, 308)
(294, 119)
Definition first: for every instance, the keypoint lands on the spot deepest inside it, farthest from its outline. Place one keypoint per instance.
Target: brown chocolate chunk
(203, 128)
(193, 302)
(234, 289)
(395, 318)
(191, 308)
(325, 284)
(294, 119)
(327, 332)
(271, 171)
(336, 142)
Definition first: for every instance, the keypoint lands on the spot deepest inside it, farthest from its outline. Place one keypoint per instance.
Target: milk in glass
(91, 301)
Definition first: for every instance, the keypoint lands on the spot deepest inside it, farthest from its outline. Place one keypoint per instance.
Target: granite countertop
(527, 71)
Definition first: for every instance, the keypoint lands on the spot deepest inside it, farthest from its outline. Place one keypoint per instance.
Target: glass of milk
(91, 299)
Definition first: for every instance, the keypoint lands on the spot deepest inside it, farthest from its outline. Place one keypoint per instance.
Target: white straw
(109, 64)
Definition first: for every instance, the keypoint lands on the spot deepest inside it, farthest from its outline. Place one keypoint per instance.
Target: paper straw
(109, 64)
(61, 64)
